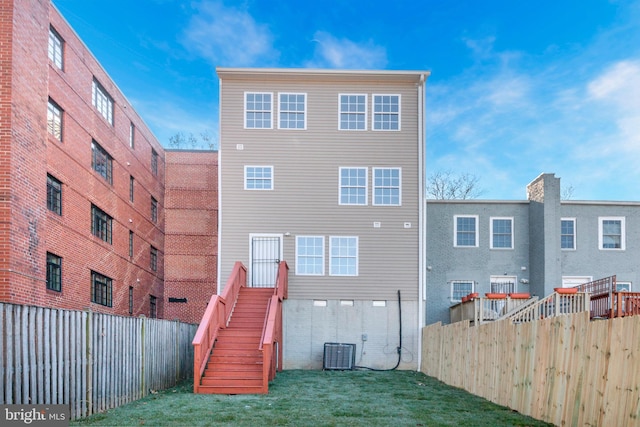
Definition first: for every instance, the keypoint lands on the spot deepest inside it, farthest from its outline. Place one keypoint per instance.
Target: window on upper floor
(258, 177)
(101, 162)
(101, 289)
(460, 289)
(54, 195)
(465, 231)
(501, 233)
(54, 272)
(623, 286)
(258, 110)
(387, 186)
(386, 112)
(56, 48)
(343, 256)
(310, 255)
(131, 244)
(130, 299)
(292, 110)
(132, 184)
(132, 135)
(153, 254)
(353, 186)
(353, 111)
(102, 101)
(611, 233)
(153, 308)
(154, 162)
(568, 233)
(54, 119)
(154, 210)
(101, 224)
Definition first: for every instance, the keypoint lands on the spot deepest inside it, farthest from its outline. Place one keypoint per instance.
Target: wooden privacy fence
(89, 361)
(566, 370)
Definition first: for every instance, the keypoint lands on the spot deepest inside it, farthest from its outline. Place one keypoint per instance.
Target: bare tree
(447, 185)
(204, 141)
(567, 192)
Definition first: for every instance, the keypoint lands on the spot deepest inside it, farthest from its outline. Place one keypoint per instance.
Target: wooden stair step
(230, 390)
(233, 382)
(251, 371)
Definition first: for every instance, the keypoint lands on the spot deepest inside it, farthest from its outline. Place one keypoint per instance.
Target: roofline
(476, 201)
(419, 75)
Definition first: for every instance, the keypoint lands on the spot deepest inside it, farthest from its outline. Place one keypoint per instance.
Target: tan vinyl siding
(304, 199)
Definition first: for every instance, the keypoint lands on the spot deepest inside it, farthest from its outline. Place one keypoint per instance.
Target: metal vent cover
(339, 356)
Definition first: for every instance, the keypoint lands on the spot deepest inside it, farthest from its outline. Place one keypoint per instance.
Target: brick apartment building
(92, 207)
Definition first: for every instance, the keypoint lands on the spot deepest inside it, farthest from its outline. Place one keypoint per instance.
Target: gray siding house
(324, 169)
(529, 246)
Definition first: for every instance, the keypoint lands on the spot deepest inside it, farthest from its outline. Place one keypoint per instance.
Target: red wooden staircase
(235, 364)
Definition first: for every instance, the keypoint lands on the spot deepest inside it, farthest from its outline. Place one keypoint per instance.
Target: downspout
(421, 213)
(219, 291)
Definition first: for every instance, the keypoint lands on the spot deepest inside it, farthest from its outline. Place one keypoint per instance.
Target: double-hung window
(54, 120)
(102, 101)
(611, 235)
(56, 48)
(101, 289)
(154, 210)
(343, 256)
(101, 162)
(501, 233)
(310, 255)
(568, 233)
(387, 186)
(258, 110)
(292, 107)
(54, 272)
(54, 195)
(353, 186)
(153, 310)
(386, 112)
(101, 224)
(460, 289)
(466, 231)
(353, 111)
(153, 254)
(258, 177)
(154, 162)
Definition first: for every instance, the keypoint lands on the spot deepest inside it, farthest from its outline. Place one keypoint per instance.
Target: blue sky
(516, 88)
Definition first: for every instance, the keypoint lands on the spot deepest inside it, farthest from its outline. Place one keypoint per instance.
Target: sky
(517, 88)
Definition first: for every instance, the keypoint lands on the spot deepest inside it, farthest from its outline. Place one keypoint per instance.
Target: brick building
(82, 182)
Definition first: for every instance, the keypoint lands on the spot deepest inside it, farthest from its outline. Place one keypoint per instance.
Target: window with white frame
(460, 289)
(353, 112)
(102, 101)
(387, 186)
(343, 259)
(56, 48)
(568, 233)
(386, 112)
(501, 233)
(54, 120)
(611, 233)
(623, 286)
(292, 107)
(503, 284)
(258, 177)
(465, 231)
(310, 255)
(353, 186)
(257, 110)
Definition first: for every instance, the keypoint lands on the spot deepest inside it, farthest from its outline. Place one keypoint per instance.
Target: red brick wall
(191, 233)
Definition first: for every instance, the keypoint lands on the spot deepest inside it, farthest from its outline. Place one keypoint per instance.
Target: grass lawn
(320, 398)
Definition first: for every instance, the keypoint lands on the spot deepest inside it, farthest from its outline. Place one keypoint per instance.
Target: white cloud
(331, 52)
(229, 36)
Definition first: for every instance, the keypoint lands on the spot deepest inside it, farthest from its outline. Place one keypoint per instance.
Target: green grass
(320, 398)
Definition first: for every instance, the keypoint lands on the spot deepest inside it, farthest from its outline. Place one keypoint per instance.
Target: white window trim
(304, 112)
(455, 231)
(366, 108)
(504, 279)
(622, 232)
(513, 238)
(357, 256)
(298, 273)
(373, 112)
(366, 186)
(575, 232)
(573, 281)
(373, 187)
(244, 118)
(624, 282)
(56, 48)
(452, 282)
(259, 166)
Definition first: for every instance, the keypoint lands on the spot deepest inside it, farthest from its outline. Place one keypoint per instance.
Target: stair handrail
(553, 305)
(216, 317)
(272, 328)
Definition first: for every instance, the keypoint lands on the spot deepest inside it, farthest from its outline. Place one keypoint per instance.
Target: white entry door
(266, 253)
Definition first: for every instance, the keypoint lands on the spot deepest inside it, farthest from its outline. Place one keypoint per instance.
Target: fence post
(88, 392)
(142, 356)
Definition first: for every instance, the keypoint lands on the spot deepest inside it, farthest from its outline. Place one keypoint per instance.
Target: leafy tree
(447, 185)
